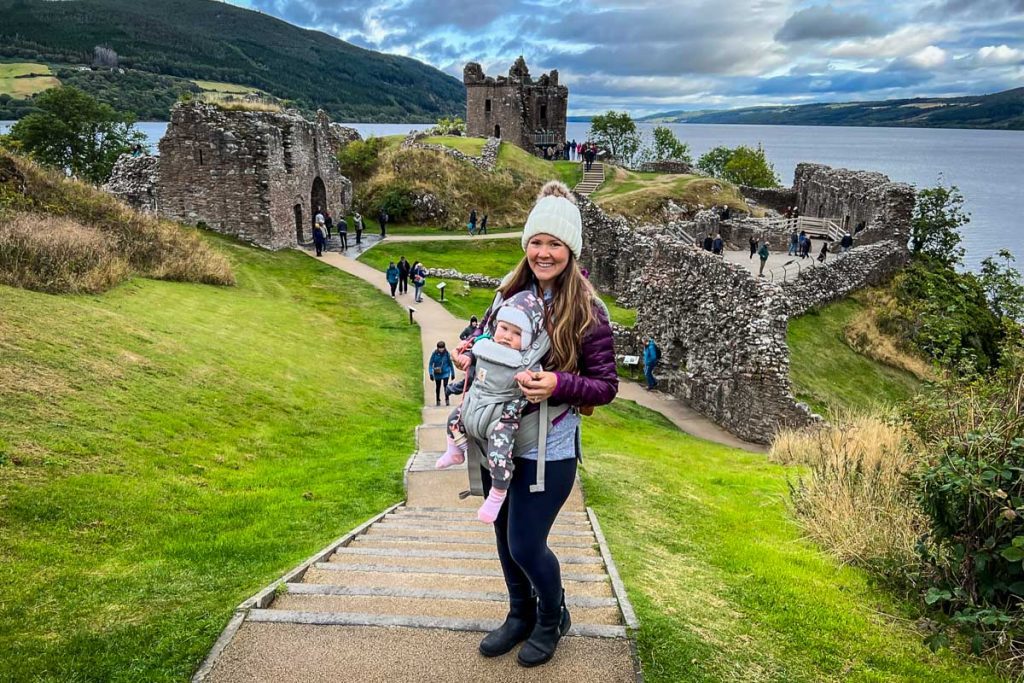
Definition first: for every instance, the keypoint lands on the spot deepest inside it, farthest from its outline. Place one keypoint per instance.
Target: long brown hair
(567, 317)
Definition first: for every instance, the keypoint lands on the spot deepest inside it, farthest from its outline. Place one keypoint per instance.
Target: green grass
(827, 373)
(373, 227)
(167, 449)
(618, 314)
(470, 146)
(517, 159)
(487, 257)
(644, 194)
(724, 584)
(14, 80)
(232, 88)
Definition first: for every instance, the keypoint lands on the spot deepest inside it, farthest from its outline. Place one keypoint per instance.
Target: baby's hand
(462, 361)
(523, 377)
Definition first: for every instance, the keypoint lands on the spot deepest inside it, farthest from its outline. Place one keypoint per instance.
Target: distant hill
(157, 40)
(1002, 110)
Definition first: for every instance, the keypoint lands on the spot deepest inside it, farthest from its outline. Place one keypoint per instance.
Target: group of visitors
(801, 244)
(400, 274)
(588, 152)
(714, 244)
(474, 228)
(323, 225)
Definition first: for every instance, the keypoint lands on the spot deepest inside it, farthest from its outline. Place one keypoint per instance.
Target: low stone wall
(667, 166)
(485, 162)
(474, 279)
(844, 273)
(775, 198)
(133, 181)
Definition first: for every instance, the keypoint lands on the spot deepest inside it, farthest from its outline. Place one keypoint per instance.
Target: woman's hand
(462, 361)
(539, 386)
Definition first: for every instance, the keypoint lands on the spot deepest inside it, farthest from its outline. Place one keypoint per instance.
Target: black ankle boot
(522, 617)
(544, 640)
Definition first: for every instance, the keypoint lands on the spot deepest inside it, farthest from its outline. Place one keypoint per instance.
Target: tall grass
(61, 235)
(855, 498)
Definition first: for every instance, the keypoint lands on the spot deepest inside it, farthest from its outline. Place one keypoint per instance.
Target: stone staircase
(592, 179)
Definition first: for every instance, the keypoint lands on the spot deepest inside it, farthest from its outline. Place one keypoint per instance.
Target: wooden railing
(812, 225)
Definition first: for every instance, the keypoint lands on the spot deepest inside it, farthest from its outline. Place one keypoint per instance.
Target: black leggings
(403, 284)
(522, 529)
(437, 388)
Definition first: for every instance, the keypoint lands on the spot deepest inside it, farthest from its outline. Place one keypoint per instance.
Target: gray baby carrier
(492, 387)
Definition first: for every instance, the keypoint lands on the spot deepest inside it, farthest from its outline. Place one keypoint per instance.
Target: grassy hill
(644, 195)
(216, 41)
(1001, 110)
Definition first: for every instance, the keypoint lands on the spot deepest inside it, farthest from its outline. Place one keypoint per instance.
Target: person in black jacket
(709, 241)
(383, 218)
(470, 329)
(403, 275)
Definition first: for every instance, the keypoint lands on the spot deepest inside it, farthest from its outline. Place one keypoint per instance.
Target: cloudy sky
(655, 55)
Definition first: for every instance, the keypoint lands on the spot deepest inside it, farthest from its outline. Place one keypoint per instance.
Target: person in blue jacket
(440, 369)
(651, 356)
(392, 276)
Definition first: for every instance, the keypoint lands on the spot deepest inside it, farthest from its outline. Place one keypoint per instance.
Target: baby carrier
(493, 386)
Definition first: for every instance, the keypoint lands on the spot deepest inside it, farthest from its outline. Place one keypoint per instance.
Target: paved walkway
(780, 266)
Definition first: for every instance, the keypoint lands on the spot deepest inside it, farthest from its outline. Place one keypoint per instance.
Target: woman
(392, 276)
(318, 235)
(440, 369)
(580, 372)
(419, 278)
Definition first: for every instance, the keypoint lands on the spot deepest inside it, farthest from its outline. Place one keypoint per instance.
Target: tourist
(652, 354)
(762, 253)
(789, 212)
(328, 222)
(846, 243)
(709, 242)
(419, 280)
(383, 217)
(403, 275)
(823, 254)
(318, 217)
(342, 233)
(726, 212)
(572, 150)
(857, 228)
(440, 369)
(580, 371)
(753, 246)
(794, 242)
(472, 221)
(470, 329)
(805, 243)
(718, 246)
(358, 220)
(483, 225)
(392, 276)
(318, 235)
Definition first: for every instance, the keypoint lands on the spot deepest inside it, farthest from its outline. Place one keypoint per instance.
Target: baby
(495, 402)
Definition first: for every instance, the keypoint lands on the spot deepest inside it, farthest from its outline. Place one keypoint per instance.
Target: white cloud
(928, 58)
(999, 55)
(900, 43)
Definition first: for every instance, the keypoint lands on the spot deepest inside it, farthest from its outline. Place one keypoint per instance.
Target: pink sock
(455, 455)
(488, 512)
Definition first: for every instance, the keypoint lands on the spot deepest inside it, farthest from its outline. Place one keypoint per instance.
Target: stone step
(299, 653)
(459, 568)
(427, 607)
(378, 577)
(422, 526)
(431, 439)
(406, 508)
(469, 517)
(410, 554)
(448, 543)
(432, 594)
(485, 536)
(409, 621)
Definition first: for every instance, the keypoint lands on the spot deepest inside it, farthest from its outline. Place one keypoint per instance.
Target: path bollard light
(411, 311)
(441, 286)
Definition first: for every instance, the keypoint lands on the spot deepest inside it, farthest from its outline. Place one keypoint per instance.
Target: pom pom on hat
(556, 214)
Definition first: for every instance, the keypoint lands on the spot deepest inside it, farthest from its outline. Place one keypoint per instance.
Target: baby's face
(509, 335)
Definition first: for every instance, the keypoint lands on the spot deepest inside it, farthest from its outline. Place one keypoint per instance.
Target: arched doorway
(317, 198)
(497, 131)
(298, 224)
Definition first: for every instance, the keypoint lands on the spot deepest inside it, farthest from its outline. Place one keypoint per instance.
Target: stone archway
(317, 198)
(299, 237)
(497, 131)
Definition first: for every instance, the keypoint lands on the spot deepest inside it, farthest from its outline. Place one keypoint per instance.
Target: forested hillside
(215, 41)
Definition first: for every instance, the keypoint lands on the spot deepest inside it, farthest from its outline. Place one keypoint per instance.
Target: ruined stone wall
(860, 267)
(133, 181)
(667, 166)
(853, 197)
(515, 107)
(774, 198)
(244, 173)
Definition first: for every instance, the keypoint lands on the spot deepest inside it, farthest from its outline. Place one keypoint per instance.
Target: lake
(987, 165)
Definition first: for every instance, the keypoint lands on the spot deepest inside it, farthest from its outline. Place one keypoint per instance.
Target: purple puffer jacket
(596, 382)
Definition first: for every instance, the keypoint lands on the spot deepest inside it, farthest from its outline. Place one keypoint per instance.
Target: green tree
(617, 133)
(668, 146)
(935, 228)
(741, 165)
(1003, 287)
(77, 134)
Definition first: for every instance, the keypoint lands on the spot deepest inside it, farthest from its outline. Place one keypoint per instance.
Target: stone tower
(518, 109)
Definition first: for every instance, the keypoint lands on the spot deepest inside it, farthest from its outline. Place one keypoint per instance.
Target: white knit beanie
(517, 317)
(556, 214)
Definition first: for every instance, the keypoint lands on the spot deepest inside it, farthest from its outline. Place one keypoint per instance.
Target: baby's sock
(455, 455)
(488, 512)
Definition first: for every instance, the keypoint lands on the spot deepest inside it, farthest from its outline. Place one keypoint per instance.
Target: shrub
(971, 488)
(741, 165)
(855, 498)
(449, 126)
(359, 158)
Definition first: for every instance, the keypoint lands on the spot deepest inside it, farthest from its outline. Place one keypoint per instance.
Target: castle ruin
(518, 109)
(259, 176)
